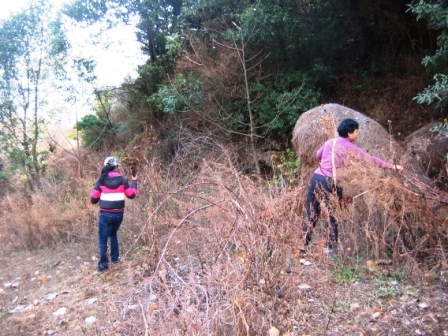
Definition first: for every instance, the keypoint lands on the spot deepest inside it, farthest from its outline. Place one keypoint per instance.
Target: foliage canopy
(436, 14)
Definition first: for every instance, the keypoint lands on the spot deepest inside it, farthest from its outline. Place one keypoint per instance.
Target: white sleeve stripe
(112, 196)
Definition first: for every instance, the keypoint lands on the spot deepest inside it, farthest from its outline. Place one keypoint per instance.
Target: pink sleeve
(131, 189)
(95, 193)
(131, 192)
(319, 152)
(95, 196)
(375, 160)
(381, 163)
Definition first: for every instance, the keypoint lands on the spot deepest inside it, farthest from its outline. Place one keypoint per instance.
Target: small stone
(90, 320)
(273, 331)
(18, 309)
(91, 300)
(376, 315)
(305, 262)
(354, 306)
(304, 287)
(423, 305)
(51, 296)
(60, 311)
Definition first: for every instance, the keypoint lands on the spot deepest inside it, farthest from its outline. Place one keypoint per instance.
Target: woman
(110, 190)
(333, 156)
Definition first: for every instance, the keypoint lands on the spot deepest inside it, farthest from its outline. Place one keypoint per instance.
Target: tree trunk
(36, 122)
(252, 131)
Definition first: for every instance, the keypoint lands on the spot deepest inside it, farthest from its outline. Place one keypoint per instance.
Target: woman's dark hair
(106, 169)
(347, 126)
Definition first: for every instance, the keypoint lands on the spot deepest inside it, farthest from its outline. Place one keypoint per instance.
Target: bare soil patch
(57, 292)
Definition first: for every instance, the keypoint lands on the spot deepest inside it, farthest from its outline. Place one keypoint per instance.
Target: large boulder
(429, 149)
(319, 124)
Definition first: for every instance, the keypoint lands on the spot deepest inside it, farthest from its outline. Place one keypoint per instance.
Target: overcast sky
(8, 7)
(118, 57)
(115, 61)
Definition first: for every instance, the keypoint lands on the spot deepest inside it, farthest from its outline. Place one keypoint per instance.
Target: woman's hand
(398, 167)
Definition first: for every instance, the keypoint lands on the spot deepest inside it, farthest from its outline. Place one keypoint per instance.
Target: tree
(223, 81)
(156, 19)
(248, 64)
(99, 131)
(33, 60)
(436, 14)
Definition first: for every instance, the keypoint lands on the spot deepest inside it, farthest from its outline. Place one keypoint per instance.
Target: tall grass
(225, 253)
(218, 253)
(53, 213)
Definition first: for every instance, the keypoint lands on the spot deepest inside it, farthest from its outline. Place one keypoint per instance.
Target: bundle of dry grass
(387, 219)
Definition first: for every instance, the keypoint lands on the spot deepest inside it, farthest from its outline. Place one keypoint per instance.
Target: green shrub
(280, 106)
(97, 132)
(287, 168)
(183, 94)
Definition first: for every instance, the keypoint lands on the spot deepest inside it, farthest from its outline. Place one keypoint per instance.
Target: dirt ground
(58, 292)
(54, 291)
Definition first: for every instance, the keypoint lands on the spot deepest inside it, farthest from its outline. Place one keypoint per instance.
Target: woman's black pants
(319, 190)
